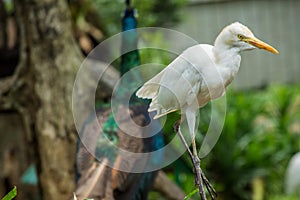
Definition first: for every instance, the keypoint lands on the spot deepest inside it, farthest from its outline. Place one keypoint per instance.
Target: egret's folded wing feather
(179, 83)
(150, 89)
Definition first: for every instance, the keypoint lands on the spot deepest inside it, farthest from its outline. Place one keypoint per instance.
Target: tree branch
(167, 188)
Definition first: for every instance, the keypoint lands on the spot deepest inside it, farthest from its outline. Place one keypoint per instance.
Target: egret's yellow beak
(260, 44)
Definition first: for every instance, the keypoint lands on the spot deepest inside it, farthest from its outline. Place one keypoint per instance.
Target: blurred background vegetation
(260, 134)
(262, 127)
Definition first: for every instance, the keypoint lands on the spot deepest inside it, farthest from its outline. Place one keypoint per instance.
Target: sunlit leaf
(191, 194)
(12, 194)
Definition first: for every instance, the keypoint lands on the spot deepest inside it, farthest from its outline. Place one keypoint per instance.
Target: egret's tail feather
(148, 91)
(160, 110)
(163, 112)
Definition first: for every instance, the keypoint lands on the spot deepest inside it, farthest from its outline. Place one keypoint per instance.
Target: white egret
(201, 73)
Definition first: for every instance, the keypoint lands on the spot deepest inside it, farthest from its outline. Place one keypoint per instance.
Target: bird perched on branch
(200, 74)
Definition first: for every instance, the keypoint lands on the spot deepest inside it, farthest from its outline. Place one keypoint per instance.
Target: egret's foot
(199, 175)
(212, 192)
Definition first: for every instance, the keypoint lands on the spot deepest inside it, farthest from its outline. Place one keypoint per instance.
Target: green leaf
(191, 194)
(12, 194)
(9, 6)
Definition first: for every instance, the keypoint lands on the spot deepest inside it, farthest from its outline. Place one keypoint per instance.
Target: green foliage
(282, 197)
(189, 196)
(12, 194)
(159, 57)
(260, 135)
(9, 6)
(150, 13)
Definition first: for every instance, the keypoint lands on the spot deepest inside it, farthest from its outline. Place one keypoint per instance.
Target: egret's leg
(191, 120)
(209, 187)
(190, 114)
(199, 176)
(178, 131)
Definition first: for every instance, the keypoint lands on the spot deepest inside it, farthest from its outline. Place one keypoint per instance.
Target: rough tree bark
(41, 90)
(2, 25)
(50, 59)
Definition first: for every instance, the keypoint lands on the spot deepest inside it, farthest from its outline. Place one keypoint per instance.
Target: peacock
(95, 177)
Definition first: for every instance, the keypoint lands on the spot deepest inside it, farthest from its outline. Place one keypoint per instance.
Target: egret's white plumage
(201, 73)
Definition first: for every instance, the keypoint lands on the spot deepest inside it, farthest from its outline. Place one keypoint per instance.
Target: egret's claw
(209, 187)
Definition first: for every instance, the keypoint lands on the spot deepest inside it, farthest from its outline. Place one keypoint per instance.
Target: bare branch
(167, 188)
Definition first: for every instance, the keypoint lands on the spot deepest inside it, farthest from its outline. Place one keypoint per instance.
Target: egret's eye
(240, 36)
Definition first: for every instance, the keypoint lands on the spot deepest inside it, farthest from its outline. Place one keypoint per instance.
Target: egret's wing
(150, 88)
(179, 83)
(183, 62)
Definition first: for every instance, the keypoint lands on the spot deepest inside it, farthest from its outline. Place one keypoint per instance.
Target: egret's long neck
(227, 57)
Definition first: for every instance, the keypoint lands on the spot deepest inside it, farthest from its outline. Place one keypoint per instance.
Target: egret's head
(236, 35)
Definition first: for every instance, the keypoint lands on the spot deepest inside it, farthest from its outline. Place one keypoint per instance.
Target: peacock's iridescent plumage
(105, 144)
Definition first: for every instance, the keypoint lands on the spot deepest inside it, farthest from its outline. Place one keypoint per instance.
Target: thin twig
(167, 188)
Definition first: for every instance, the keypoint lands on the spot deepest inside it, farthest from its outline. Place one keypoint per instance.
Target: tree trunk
(43, 89)
(2, 25)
